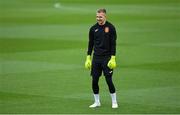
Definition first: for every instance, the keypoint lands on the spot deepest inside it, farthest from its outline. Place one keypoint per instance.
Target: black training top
(102, 38)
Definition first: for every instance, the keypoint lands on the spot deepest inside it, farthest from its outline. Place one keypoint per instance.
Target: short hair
(103, 10)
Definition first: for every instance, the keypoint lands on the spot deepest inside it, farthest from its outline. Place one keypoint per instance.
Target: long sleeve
(91, 42)
(113, 41)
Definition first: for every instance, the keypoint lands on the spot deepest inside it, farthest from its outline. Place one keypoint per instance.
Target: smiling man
(102, 40)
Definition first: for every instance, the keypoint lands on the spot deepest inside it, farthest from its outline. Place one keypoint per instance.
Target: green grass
(43, 49)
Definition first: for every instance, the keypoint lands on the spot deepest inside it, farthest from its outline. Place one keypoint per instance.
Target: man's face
(101, 18)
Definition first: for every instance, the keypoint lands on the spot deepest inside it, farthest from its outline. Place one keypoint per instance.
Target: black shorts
(99, 65)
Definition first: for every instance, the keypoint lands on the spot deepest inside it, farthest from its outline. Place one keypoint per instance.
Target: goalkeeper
(102, 40)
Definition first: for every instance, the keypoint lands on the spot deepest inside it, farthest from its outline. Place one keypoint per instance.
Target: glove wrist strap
(113, 57)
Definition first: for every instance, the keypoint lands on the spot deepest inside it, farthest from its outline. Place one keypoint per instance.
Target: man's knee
(95, 79)
(95, 85)
(110, 84)
(108, 79)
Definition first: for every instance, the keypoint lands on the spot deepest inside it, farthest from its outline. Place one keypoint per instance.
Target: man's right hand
(88, 62)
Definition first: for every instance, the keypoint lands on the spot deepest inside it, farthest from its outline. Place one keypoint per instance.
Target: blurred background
(43, 46)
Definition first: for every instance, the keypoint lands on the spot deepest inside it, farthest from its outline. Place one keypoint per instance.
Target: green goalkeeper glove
(112, 63)
(88, 62)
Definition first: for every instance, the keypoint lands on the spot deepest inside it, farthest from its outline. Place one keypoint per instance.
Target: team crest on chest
(106, 29)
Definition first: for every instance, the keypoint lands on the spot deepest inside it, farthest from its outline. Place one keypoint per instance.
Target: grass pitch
(43, 49)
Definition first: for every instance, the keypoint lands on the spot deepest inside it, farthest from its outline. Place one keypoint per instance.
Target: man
(102, 40)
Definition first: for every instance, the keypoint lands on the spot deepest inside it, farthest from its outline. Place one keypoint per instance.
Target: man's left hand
(112, 63)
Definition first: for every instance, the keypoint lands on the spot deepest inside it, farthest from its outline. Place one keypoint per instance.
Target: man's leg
(112, 91)
(95, 88)
(110, 84)
(95, 73)
(108, 75)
